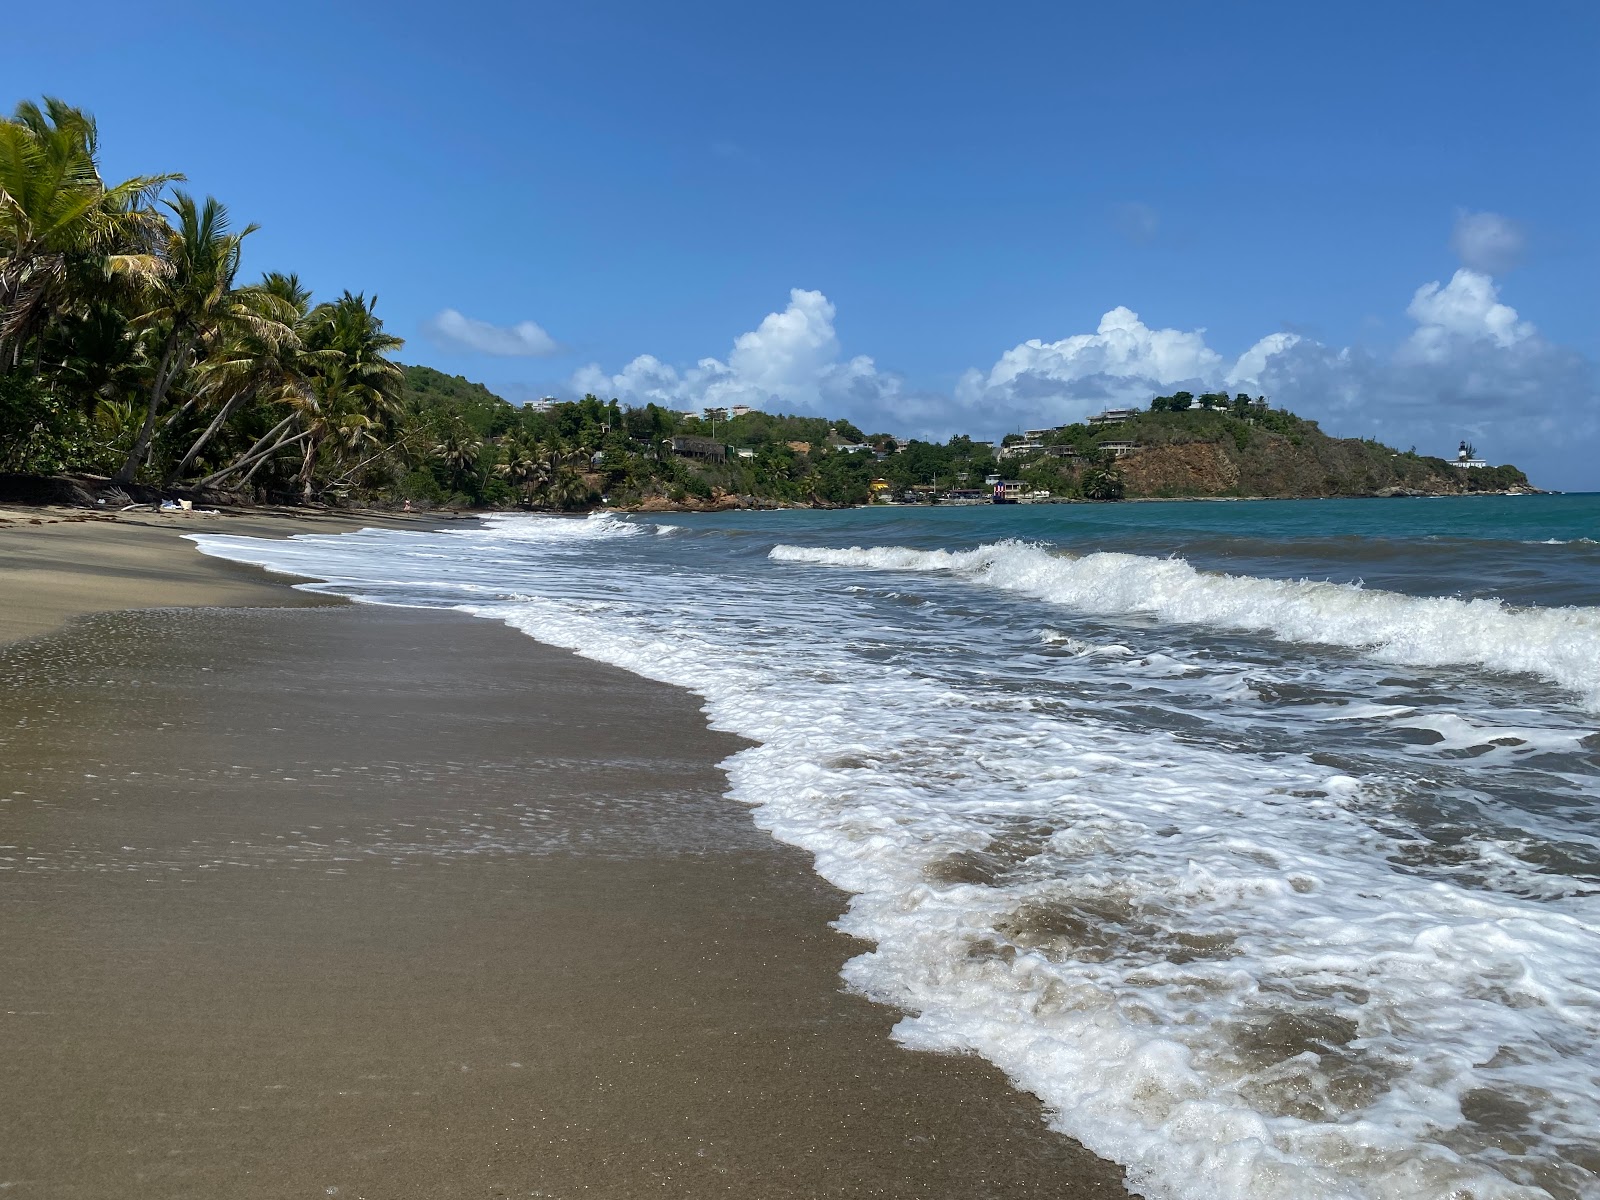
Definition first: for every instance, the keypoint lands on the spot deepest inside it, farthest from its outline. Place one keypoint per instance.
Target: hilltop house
(1468, 457)
(702, 448)
(1114, 416)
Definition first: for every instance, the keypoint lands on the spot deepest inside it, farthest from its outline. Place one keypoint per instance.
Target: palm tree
(192, 298)
(63, 233)
(459, 450)
(93, 355)
(524, 468)
(567, 489)
(265, 361)
(360, 390)
(349, 396)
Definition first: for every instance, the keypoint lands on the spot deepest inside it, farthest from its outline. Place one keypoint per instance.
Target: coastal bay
(312, 898)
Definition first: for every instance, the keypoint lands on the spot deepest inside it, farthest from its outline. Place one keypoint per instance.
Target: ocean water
(1260, 840)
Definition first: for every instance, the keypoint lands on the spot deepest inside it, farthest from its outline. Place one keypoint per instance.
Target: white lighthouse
(1468, 457)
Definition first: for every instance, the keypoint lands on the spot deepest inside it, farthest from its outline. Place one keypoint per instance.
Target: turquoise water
(1542, 550)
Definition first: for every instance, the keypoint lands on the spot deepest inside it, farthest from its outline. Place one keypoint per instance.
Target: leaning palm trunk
(256, 451)
(308, 466)
(217, 422)
(263, 459)
(255, 462)
(177, 345)
(351, 472)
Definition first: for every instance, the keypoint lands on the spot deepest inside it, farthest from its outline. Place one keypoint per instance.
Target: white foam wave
(1561, 645)
(526, 527)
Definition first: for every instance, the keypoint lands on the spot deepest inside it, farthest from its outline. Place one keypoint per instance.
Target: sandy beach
(303, 898)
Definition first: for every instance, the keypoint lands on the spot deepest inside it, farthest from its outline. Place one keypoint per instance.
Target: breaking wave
(1561, 645)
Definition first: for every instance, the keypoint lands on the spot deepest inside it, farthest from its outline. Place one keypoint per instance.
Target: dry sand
(376, 903)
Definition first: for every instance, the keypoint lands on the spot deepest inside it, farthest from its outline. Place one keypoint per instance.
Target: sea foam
(1561, 645)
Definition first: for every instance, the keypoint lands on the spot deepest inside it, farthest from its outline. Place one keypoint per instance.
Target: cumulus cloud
(1466, 309)
(452, 330)
(1123, 361)
(791, 360)
(1488, 242)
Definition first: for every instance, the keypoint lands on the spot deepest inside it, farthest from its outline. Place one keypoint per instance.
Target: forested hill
(571, 455)
(139, 359)
(1216, 446)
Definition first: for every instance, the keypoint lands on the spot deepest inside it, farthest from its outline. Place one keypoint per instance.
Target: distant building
(1019, 449)
(1069, 453)
(701, 448)
(1468, 457)
(739, 410)
(1119, 449)
(745, 452)
(1114, 416)
(543, 404)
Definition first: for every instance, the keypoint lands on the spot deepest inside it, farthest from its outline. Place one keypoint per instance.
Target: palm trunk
(158, 393)
(175, 414)
(251, 473)
(217, 422)
(250, 455)
(307, 466)
(254, 462)
(349, 472)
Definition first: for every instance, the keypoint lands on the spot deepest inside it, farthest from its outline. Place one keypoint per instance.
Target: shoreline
(408, 903)
(59, 563)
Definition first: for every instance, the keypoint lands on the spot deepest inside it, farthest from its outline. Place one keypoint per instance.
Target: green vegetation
(135, 360)
(1216, 445)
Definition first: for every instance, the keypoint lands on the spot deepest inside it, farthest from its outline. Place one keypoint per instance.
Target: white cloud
(1488, 242)
(1249, 365)
(452, 330)
(1123, 362)
(790, 361)
(1466, 309)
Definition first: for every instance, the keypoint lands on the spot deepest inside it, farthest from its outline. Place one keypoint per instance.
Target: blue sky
(929, 218)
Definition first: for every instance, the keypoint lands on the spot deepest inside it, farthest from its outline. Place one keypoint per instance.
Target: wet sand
(57, 563)
(377, 903)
